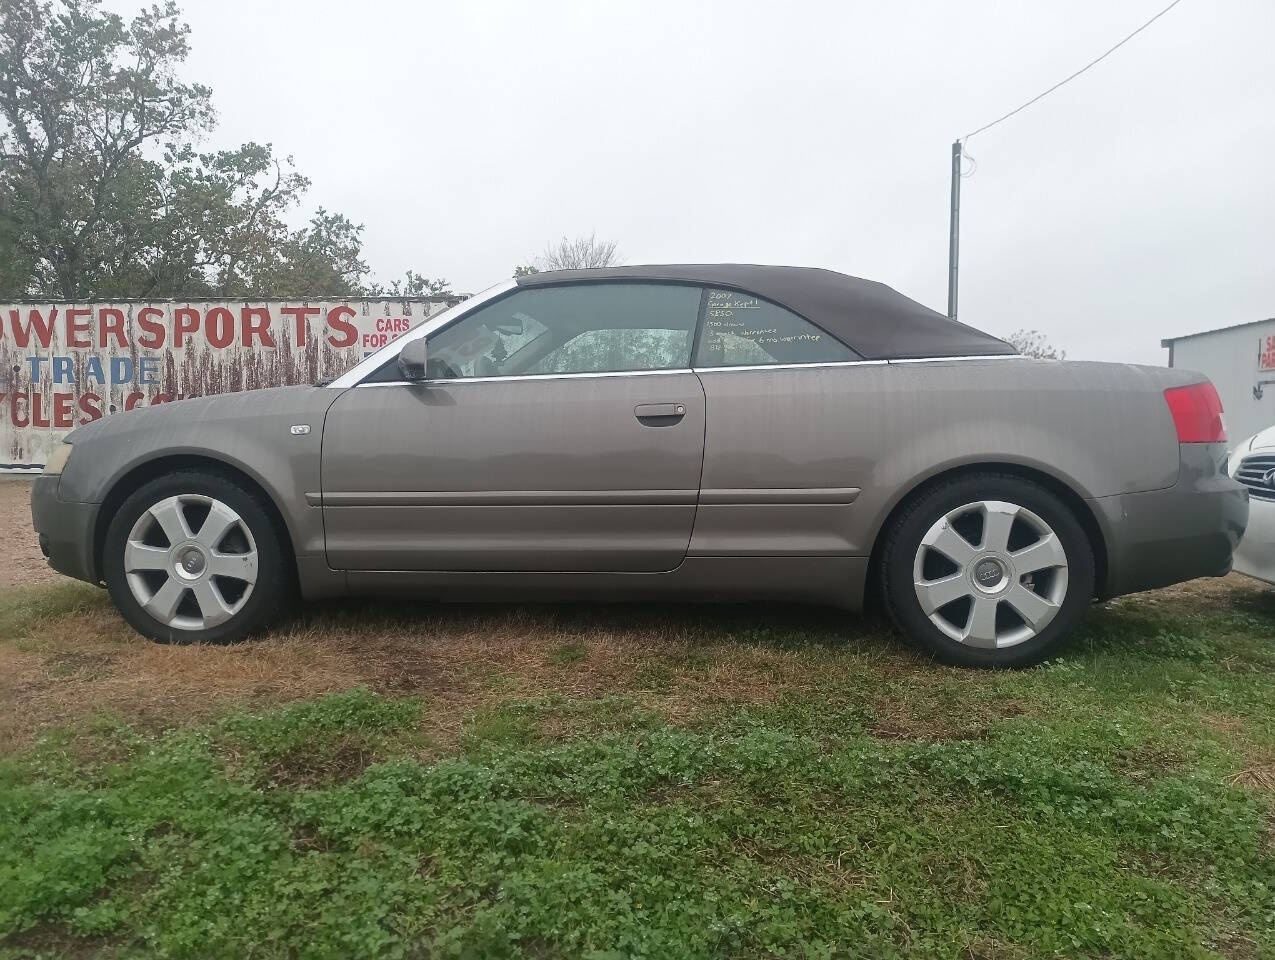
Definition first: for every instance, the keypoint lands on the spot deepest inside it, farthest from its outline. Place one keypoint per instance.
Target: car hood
(191, 413)
(1262, 441)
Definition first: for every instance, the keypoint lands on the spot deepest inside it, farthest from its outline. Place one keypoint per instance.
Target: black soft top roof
(875, 321)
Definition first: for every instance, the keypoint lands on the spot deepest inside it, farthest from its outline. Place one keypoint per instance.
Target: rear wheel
(988, 570)
(194, 558)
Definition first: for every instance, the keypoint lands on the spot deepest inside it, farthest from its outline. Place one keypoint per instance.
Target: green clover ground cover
(1102, 822)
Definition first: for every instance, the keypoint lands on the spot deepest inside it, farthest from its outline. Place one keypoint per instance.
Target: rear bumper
(1163, 537)
(1255, 556)
(65, 529)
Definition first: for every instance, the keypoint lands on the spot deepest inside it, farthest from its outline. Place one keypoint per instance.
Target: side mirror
(411, 360)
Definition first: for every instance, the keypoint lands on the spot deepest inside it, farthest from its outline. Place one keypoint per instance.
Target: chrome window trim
(528, 376)
(793, 366)
(853, 363)
(649, 373)
(370, 364)
(990, 356)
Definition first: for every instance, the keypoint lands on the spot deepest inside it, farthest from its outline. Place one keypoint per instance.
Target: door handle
(659, 414)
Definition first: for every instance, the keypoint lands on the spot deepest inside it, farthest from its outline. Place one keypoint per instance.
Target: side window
(741, 330)
(601, 350)
(582, 328)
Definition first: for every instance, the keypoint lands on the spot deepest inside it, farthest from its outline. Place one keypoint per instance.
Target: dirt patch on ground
(21, 561)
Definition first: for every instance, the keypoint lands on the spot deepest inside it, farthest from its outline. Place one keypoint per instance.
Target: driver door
(560, 430)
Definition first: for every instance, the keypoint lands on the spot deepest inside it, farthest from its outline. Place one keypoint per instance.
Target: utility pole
(954, 237)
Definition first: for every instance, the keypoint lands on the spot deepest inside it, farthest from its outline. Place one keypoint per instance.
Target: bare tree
(1032, 343)
(578, 254)
(412, 284)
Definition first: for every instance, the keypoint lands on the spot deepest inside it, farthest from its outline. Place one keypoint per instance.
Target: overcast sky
(1135, 203)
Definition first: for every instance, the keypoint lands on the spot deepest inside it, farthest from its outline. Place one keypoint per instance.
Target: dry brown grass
(71, 657)
(63, 668)
(1259, 777)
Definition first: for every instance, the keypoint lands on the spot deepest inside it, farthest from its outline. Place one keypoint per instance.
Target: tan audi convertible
(698, 432)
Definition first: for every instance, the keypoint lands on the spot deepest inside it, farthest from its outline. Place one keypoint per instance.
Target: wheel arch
(1085, 516)
(140, 474)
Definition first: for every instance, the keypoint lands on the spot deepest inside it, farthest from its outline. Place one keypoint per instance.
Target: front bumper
(1255, 556)
(1161, 537)
(65, 529)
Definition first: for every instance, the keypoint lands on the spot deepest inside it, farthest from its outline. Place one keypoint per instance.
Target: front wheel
(193, 557)
(988, 570)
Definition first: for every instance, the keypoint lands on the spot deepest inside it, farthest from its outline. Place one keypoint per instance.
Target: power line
(1060, 83)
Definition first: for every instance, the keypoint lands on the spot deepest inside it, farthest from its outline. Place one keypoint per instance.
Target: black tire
(270, 594)
(904, 541)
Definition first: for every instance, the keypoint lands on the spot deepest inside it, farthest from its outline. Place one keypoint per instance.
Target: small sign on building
(1266, 353)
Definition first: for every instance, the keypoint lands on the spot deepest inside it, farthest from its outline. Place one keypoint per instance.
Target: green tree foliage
(102, 192)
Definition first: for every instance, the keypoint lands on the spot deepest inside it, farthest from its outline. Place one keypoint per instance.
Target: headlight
(58, 459)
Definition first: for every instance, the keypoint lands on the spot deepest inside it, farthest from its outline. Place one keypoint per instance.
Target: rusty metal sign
(67, 364)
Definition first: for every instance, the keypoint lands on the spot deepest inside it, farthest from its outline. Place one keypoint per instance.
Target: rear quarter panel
(884, 428)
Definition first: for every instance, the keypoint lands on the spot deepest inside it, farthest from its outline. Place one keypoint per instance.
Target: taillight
(1197, 413)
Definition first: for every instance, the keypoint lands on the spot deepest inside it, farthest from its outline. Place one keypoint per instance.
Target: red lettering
(90, 407)
(337, 319)
(62, 407)
(75, 326)
(37, 411)
(153, 338)
(110, 320)
(256, 323)
(35, 322)
(185, 320)
(219, 327)
(299, 315)
(132, 400)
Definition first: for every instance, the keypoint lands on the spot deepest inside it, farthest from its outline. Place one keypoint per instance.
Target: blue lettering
(93, 369)
(35, 367)
(148, 370)
(121, 370)
(62, 370)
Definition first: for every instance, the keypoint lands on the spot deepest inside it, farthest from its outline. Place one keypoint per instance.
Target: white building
(1240, 360)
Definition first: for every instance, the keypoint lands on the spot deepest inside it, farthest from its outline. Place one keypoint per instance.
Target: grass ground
(601, 782)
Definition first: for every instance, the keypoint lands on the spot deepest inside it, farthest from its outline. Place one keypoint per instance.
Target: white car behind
(1252, 463)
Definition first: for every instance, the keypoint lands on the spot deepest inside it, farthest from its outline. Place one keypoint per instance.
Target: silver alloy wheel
(200, 578)
(1030, 580)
